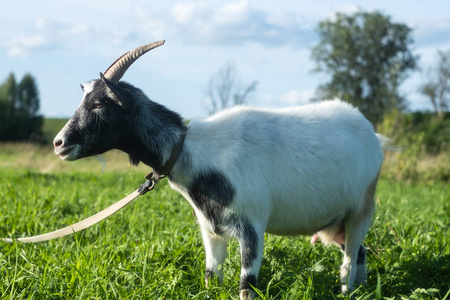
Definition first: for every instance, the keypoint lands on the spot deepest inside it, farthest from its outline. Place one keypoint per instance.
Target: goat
(310, 170)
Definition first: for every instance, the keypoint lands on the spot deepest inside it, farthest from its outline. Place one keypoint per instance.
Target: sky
(68, 42)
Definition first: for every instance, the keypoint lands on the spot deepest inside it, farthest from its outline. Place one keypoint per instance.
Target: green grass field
(152, 249)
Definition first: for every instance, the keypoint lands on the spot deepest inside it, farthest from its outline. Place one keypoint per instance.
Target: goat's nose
(57, 142)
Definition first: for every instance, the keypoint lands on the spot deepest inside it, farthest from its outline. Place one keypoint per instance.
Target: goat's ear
(119, 94)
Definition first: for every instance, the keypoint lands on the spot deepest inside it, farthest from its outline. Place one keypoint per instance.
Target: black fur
(361, 258)
(153, 128)
(247, 282)
(209, 274)
(211, 192)
(120, 116)
(97, 124)
(248, 240)
(98, 94)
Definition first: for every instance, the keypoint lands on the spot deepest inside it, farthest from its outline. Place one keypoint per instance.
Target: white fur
(294, 170)
(291, 168)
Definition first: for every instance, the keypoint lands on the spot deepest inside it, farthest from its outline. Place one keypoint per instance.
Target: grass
(152, 249)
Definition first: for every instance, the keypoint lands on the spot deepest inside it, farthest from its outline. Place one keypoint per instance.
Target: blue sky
(65, 43)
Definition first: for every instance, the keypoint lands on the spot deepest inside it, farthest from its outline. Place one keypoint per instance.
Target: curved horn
(116, 70)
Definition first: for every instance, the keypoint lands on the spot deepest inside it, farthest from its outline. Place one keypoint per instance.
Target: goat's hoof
(208, 276)
(347, 294)
(247, 294)
(212, 278)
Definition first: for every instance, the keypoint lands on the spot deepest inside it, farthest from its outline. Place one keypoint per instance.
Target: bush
(423, 140)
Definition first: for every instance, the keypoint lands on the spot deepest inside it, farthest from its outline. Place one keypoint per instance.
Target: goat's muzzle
(64, 150)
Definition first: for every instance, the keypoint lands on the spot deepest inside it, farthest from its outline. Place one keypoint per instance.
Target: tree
(19, 110)
(225, 89)
(367, 56)
(28, 96)
(8, 96)
(437, 87)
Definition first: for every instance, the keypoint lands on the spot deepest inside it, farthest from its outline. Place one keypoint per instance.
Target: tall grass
(152, 249)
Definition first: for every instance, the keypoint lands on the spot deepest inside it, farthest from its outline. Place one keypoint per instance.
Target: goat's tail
(387, 144)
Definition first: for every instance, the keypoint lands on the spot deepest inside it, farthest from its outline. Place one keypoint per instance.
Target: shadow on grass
(422, 272)
(314, 274)
(300, 272)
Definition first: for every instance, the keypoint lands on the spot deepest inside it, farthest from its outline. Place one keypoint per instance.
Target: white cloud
(185, 13)
(201, 23)
(280, 18)
(348, 9)
(227, 24)
(345, 9)
(197, 22)
(430, 31)
(79, 29)
(17, 52)
(23, 45)
(30, 41)
(41, 23)
(154, 29)
(232, 14)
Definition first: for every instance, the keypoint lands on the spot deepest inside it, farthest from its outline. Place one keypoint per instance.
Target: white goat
(310, 170)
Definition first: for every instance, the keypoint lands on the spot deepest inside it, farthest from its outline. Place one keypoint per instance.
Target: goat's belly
(288, 230)
(292, 222)
(291, 227)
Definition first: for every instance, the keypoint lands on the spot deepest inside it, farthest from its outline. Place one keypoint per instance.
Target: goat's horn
(116, 70)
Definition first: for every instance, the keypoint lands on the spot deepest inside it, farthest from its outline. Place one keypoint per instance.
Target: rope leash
(151, 179)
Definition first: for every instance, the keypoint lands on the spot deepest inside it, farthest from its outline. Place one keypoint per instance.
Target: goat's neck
(157, 130)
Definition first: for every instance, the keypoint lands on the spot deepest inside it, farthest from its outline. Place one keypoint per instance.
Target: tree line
(366, 55)
(19, 110)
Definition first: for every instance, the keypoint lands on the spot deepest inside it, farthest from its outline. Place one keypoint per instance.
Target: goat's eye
(98, 105)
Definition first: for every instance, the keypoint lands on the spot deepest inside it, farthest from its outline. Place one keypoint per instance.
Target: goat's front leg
(251, 241)
(216, 252)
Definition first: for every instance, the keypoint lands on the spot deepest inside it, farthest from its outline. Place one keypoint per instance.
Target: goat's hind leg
(361, 272)
(216, 252)
(353, 268)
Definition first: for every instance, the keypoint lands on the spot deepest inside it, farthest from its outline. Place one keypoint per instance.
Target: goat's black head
(102, 120)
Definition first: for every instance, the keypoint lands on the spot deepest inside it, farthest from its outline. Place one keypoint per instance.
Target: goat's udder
(338, 238)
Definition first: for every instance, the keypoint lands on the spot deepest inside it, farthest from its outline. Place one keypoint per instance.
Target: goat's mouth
(66, 153)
